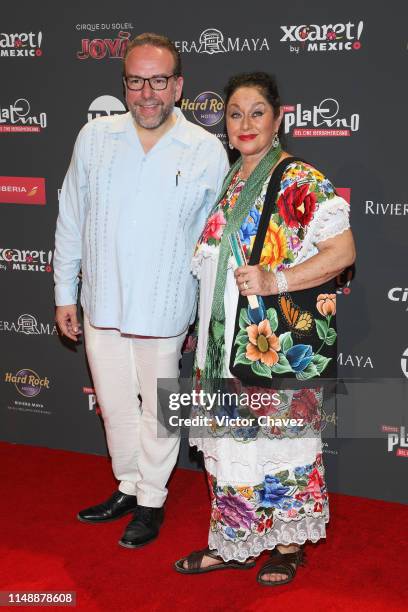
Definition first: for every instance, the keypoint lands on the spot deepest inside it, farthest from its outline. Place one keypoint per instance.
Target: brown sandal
(195, 558)
(281, 563)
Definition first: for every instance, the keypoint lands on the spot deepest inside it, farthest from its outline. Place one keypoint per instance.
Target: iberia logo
(22, 190)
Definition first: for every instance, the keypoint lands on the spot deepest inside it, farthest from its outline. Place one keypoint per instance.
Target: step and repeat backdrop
(342, 71)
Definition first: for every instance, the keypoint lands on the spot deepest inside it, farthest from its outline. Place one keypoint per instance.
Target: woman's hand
(254, 280)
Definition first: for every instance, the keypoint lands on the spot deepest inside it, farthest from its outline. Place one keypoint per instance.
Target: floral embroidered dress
(266, 491)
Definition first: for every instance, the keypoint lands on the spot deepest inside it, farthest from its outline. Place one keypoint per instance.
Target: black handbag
(289, 340)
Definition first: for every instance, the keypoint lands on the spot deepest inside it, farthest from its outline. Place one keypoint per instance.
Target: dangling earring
(230, 146)
(275, 141)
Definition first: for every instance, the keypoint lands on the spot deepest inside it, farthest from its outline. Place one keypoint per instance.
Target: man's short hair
(155, 40)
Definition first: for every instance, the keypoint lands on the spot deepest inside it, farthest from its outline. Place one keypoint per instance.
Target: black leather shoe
(113, 508)
(143, 528)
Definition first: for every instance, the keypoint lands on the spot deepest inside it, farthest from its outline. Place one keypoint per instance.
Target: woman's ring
(245, 285)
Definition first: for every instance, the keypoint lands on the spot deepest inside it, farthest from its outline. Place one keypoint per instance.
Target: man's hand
(66, 318)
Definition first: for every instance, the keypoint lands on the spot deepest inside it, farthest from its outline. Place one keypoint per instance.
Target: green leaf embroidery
(282, 366)
(301, 482)
(321, 327)
(321, 362)
(282, 475)
(241, 350)
(286, 342)
(272, 318)
(241, 359)
(331, 336)
(244, 321)
(242, 338)
(240, 533)
(309, 372)
(261, 369)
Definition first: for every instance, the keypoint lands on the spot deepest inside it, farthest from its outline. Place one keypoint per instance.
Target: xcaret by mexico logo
(22, 190)
(17, 117)
(27, 382)
(25, 260)
(104, 48)
(25, 44)
(207, 108)
(104, 106)
(213, 41)
(323, 119)
(328, 37)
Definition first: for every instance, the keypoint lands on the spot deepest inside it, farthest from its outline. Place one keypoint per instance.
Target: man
(134, 201)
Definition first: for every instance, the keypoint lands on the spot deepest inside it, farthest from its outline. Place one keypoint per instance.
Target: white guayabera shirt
(131, 220)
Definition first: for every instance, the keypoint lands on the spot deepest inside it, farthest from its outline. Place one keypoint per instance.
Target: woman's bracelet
(281, 282)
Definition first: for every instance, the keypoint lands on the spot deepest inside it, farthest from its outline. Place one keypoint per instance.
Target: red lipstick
(246, 137)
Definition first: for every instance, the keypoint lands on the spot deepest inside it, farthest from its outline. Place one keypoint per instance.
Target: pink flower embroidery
(215, 226)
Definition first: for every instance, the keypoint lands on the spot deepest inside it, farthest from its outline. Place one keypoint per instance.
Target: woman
(267, 491)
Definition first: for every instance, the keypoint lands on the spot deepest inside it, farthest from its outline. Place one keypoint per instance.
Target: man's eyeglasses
(136, 83)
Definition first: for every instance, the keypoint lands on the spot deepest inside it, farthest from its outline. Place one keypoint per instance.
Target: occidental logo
(331, 37)
(207, 108)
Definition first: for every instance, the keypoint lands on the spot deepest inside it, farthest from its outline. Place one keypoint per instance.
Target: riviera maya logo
(207, 108)
(29, 325)
(330, 37)
(213, 41)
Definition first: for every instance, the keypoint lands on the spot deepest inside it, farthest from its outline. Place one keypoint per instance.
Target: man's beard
(151, 123)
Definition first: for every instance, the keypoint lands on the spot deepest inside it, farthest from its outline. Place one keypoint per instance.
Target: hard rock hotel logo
(207, 108)
(27, 382)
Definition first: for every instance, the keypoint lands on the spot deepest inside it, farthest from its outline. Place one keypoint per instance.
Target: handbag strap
(269, 207)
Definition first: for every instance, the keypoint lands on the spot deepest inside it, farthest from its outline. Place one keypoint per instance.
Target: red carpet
(362, 566)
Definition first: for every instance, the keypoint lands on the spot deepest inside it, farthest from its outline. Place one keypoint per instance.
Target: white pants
(123, 368)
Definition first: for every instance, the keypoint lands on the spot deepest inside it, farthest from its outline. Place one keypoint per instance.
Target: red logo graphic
(344, 192)
(22, 190)
(99, 48)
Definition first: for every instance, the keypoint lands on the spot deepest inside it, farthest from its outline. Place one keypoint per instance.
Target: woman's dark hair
(264, 82)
